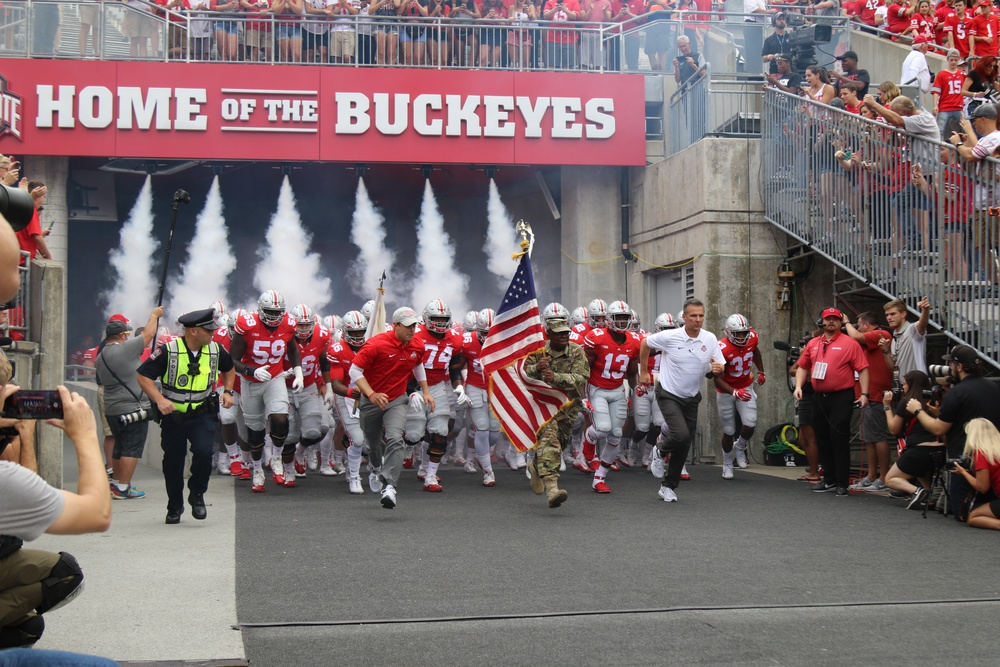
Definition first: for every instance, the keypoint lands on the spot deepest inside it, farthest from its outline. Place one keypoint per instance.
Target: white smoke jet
(368, 234)
(501, 239)
(285, 263)
(209, 262)
(437, 277)
(134, 262)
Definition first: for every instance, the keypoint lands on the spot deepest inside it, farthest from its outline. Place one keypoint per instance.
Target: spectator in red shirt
(898, 16)
(830, 361)
(956, 28)
(982, 447)
(381, 370)
(983, 31)
(560, 45)
(849, 94)
(941, 14)
(874, 430)
(947, 92)
(868, 9)
(32, 237)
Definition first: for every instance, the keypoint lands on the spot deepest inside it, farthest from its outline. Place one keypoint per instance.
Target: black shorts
(920, 461)
(806, 409)
(130, 440)
(995, 507)
(312, 41)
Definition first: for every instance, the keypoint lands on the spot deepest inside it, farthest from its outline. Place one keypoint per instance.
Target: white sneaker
(326, 470)
(388, 497)
(489, 479)
(223, 464)
(727, 471)
(522, 461)
(257, 485)
(277, 471)
(667, 494)
(470, 467)
(511, 458)
(562, 466)
(421, 472)
(741, 457)
(355, 485)
(312, 462)
(685, 475)
(374, 483)
(656, 464)
(339, 468)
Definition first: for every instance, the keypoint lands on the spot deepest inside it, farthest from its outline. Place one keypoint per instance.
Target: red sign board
(254, 112)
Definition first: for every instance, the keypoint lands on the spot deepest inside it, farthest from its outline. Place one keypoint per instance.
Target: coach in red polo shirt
(381, 370)
(832, 360)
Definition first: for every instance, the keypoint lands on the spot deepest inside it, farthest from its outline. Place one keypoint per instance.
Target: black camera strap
(119, 380)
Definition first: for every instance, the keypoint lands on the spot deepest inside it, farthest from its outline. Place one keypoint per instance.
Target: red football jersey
(472, 349)
(310, 352)
(579, 332)
(341, 357)
(438, 353)
(265, 348)
(941, 14)
(949, 86)
(221, 336)
(985, 26)
(868, 11)
(611, 365)
(959, 29)
(739, 361)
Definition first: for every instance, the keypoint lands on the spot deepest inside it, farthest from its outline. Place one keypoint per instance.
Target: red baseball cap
(118, 317)
(832, 312)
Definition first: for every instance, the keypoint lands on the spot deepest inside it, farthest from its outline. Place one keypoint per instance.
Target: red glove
(760, 378)
(743, 395)
(640, 390)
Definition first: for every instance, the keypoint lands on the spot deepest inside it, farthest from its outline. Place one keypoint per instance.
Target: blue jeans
(903, 204)
(942, 119)
(24, 657)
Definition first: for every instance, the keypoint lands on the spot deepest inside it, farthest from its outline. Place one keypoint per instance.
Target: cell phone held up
(33, 405)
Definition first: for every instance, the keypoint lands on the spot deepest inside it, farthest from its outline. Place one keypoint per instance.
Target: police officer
(187, 368)
(564, 366)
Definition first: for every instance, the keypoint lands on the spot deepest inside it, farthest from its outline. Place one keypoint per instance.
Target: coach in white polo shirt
(687, 356)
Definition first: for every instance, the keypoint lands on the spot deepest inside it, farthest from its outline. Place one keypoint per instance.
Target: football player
(341, 356)
(306, 408)
(443, 365)
(262, 342)
(230, 461)
(613, 354)
(484, 427)
(735, 391)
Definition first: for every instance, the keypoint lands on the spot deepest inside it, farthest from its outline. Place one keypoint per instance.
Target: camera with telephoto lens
(793, 351)
(934, 394)
(139, 415)
(17, 206)
(938, 371)
(964, 462)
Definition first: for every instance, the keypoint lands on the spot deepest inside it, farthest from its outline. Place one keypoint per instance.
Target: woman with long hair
(518, 38)
(818, 85)
(982, 83)
(923, 451)
(982, 447)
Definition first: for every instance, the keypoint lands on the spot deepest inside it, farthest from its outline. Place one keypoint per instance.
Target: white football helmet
(597, 313)
(271, 307)
(470, 322)
(618, 316)
(664, 321)
(636, 323)
(368, 309)
(737, 330)
(578, 316)
(555, 311)
(304, 322)
(327, 322)
(232, 317)
(355, 325)
(484, 321)
(437, 316)
(221, 318)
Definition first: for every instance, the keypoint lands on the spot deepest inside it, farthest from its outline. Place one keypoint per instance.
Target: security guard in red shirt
(833, 358)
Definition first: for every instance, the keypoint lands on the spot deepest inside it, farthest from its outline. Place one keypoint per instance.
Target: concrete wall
(704, 204)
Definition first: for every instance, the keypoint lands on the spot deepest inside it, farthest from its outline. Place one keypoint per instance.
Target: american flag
(523, 405)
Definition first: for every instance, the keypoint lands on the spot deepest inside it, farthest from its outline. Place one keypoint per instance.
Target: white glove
(417, 402)
(463, 398)
(298, 382)
(328, 396)
(262, 374)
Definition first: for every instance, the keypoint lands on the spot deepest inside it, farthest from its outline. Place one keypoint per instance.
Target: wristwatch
(917, 411)
(227, 391)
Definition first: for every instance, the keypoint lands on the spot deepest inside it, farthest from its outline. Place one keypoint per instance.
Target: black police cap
(204, 319)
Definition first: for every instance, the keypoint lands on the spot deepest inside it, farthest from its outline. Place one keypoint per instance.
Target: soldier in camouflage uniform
(563, 365)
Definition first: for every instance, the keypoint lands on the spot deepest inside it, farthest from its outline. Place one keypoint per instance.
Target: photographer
(33, 582)
(982, 447)
(688, 65)
(971, 396)
(918, 459)
(116, 368)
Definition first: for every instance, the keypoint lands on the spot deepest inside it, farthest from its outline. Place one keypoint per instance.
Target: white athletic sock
(424, 458)
(610, 453)
(740, 443)
(258, 465)
(122, 487)
(727, 458)
(326, 448)
(233, 451)
(602, 471)
(482, 450)
(339, 455)
(432, 469)
(246, 458)
(354, 460)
